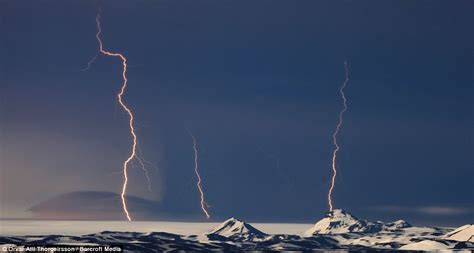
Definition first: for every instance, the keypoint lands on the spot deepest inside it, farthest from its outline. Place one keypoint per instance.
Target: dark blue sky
(256, 82)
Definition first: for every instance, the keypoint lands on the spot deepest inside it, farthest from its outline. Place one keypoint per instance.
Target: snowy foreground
(339, 230)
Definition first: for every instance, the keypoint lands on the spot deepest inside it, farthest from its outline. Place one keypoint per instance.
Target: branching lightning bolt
(204, 205)
(125, 108)
(89, 64)
(334, 136)
(142, 162)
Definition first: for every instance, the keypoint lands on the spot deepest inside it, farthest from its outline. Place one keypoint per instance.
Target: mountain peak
(339, 221)
(236, 229)
(399, 224)
(339, 213)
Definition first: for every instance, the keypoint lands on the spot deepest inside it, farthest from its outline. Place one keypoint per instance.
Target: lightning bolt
(89, 64)
(204, 205)
(125, 108)
(143, 167)
(142, 162)
(334, 136)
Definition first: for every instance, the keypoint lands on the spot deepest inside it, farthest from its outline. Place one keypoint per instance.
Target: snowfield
(462, 234)
(338, 230)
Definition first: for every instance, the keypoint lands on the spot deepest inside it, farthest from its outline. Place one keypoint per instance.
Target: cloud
(441, 210)
(430, 210)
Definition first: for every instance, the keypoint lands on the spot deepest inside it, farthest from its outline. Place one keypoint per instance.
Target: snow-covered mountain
(351, 231)
(458, 239)
(426, 245)
(399, 224)
(462, 234)
(236, 229)
(339, 221)
(337, 230)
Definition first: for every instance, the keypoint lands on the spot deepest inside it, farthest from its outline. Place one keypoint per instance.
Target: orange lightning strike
(125, 108)
(334, 136)
(196, 170)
